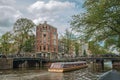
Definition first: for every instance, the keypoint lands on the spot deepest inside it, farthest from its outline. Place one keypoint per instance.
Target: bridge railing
(85, 58)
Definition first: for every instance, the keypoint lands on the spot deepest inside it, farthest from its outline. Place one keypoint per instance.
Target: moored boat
(67, 66)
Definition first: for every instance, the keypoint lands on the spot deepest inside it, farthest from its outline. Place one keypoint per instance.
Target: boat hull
(66, 69)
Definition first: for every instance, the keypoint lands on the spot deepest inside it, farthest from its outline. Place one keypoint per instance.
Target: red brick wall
(49, 31)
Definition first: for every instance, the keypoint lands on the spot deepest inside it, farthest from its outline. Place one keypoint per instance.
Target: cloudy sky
(56, 12)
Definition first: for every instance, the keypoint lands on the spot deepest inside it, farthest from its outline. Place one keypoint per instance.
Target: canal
(43, 74)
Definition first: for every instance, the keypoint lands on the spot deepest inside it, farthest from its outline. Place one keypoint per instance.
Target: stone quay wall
(6, 63)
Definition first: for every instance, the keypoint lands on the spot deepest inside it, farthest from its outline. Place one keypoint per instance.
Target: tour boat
(67, 66)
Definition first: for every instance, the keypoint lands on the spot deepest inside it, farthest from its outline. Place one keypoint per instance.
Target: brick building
(46, 40)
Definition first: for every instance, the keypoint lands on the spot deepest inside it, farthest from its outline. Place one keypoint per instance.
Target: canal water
(43, 74)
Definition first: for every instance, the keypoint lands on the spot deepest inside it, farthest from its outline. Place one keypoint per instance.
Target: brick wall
(46, 38)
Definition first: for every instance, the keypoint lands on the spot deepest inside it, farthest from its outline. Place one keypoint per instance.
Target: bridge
(33, 62)
(27, 59)
(28, 62)
(66, 59)
(97, 62)
(85, 59)
(18, 62)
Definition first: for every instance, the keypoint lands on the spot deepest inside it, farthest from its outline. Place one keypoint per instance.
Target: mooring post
(102, 65)
(40, 64)
(36, 64)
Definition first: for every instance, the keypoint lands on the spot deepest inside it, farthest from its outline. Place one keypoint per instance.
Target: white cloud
(40, 20)
(8, 11)
(4, 29)
(8, 16)
(57, 13)
(7, 2)
(50, 6)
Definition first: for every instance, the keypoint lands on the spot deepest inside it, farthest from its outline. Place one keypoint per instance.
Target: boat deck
(67, 66)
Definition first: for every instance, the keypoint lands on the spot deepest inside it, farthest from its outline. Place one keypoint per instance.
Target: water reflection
(108, 64)
(82, 74)
(43, 74)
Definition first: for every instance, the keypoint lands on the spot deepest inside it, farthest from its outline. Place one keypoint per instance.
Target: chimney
(45, 22)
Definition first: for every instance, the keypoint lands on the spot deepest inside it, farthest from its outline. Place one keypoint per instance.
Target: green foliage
(5, 43)
(29, 45)
(23, 25)
(77, 48)
(100, 21)
(70, 42)
(114, 41)
(23, 29)
(21, 40)
(95, 48)
(84, 53)
(67, 41)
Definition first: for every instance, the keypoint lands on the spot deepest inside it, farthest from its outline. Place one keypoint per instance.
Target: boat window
(56, 66)
(52, 65)
(67, 64)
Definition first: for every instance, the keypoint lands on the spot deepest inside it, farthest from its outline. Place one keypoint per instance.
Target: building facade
(46, 40)
(85, 47)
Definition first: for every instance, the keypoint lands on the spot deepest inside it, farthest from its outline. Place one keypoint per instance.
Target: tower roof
(45, 23)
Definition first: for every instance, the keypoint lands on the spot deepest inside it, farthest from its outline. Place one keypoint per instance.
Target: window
(44, 40)
(44, 35)
(40, 47)
(44, 48)
(44, 27)
(54, 42)
(54, 36)
(54, 49)
(54, 33)
(48, 47)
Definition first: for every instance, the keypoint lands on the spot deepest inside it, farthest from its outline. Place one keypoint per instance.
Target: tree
(66, 41)
(29, 45)
(84, 53)
(6, 43)
(69, 43)
(96, 49)
(100, 21)
(77, 48)
(23, 28)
